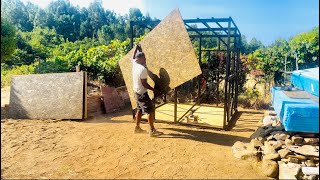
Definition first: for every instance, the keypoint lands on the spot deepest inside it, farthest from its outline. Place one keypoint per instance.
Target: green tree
(8, 40)
(16, 13)
(97, 17)
(306, 47)
(254, 44)
(105, 34)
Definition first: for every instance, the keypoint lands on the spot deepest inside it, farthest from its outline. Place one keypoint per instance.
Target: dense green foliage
(304, 47)
(8, 41)
(62, 36)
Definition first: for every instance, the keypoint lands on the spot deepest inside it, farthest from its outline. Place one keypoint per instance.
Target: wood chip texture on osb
(171, 59)
(48, 96)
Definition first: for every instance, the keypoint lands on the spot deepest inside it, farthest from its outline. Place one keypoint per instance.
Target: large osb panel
(48, 96)
(171, 59)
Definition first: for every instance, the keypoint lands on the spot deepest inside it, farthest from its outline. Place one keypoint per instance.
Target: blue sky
(266, 20)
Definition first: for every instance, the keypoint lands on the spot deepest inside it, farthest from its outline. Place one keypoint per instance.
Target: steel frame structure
(229, 35)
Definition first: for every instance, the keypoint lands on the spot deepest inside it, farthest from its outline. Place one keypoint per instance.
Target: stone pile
(280, 154)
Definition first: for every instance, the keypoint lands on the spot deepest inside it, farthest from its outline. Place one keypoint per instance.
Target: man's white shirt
(138, 72)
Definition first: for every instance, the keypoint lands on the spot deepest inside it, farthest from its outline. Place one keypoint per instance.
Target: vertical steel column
(175, 104)
(131, 32)
(226, 108)
(218, 72)
(238, 73)
(199, 77)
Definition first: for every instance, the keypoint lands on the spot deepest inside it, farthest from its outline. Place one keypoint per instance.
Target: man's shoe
(155, 133)
(138, 130)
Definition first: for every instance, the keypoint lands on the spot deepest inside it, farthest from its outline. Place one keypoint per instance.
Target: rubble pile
(281, 154)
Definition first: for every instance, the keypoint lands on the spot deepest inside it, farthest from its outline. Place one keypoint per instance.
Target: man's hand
(138, 47)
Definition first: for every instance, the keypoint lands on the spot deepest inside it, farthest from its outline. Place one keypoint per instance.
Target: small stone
(270, 168)
(311, 141)
(255, 143)
(272, 142)
(277, 145)
(267, 120)
(261, 140)
(304, 177)
(289, 170)
(310, 163)
(282, 142)
(310, 170)
(288, 142)
(294, 160)
(277, 124)
(303, 164)
(269, 137)
(306, 150)
(281, 136)
(283, 152)
(297, 140)
(240, 151)
(313, 177)
(268, 148)
(274, 156)
(301, 157)
(285, 160)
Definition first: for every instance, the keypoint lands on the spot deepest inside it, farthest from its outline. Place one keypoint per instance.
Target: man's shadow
(162, 82)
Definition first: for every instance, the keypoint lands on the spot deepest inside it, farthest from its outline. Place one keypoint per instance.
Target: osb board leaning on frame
(171, 60)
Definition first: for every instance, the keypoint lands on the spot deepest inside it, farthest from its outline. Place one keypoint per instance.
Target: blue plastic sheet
(299, 115)
(307, 80)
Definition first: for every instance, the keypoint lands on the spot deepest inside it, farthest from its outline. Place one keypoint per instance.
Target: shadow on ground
(204, 136)
(245, 121)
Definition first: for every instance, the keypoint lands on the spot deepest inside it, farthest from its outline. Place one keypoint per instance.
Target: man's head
(140, 58)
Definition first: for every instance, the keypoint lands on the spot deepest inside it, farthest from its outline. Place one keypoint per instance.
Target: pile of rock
(280, 154)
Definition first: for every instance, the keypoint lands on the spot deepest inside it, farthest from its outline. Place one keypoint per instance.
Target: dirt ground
(105, 147)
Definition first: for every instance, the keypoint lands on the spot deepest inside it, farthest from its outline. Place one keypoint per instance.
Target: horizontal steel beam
(213, 35)
(206, 20)
(213, 29)
(193, 29)
(207, 25)
(215, 20)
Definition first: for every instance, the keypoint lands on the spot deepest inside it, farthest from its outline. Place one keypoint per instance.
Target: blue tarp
(307, 80)
(299, 115)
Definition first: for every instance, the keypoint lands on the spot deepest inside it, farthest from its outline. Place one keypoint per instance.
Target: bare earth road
(105, 147)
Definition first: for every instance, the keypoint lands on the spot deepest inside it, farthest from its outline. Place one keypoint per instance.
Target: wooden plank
(85, 99)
